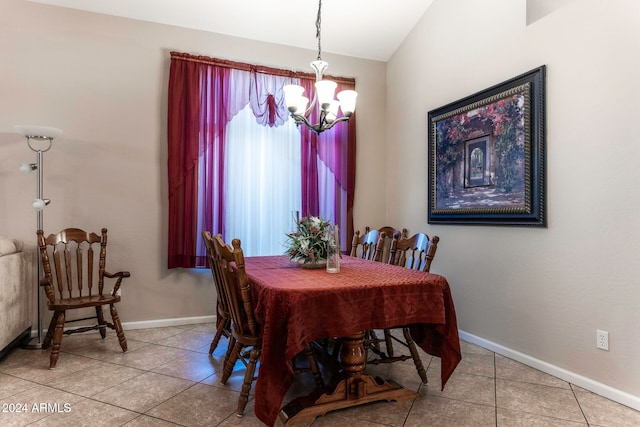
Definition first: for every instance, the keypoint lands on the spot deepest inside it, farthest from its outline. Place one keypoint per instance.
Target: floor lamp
(39, 140)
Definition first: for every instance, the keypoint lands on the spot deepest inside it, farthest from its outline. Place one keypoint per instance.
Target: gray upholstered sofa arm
(15, 294)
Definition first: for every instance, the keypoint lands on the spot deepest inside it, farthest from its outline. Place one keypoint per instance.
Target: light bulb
(39, 204)
(28, 167)
(303, 101)
(325, 90)
(347, 101)
(292, 95)
(332, 111)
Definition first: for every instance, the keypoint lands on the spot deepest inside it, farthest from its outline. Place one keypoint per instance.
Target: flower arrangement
(310, 241)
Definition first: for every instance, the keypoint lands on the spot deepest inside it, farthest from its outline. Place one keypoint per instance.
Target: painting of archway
(486, 156)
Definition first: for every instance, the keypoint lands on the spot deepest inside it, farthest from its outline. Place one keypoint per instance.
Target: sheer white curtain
(326, 192)
(262, 183)
(331, 195)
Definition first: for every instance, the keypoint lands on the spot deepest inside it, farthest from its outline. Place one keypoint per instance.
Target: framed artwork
(487, 156)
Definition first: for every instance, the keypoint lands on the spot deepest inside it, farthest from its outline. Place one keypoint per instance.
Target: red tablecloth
(295, 306)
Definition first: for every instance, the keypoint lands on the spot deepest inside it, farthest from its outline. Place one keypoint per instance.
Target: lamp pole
(38, 133)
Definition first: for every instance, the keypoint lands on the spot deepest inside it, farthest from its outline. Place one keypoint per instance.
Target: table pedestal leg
(353, 387)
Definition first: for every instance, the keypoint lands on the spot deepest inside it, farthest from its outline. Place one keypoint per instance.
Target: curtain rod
(255, 68)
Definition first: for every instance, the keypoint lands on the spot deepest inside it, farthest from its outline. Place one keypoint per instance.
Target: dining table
(295, 306)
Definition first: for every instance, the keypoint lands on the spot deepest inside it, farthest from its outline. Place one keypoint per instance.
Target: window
(262, 183)
(208, 98)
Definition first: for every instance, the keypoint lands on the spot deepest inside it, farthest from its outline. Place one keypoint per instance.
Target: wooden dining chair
(370, 246)
(246, 341)
(77, 281)
(246, 336)
(374, 245)
(390, 233)
(417, 253)
(223, 317)
(365, 246)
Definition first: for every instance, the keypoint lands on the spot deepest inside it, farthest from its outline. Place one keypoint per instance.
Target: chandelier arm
(312, 104)
(333, 123)
(322, 125)
(302, 120)
(340, 119)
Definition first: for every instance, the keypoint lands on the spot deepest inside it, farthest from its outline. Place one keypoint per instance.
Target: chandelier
(328, 106)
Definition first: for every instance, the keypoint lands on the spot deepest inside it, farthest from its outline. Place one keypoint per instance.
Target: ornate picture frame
(487, 156)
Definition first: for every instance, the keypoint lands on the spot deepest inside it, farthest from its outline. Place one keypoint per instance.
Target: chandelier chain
(318, 22)
(324, 103)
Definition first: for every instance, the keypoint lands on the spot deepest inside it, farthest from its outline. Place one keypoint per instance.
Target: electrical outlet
(602, 340)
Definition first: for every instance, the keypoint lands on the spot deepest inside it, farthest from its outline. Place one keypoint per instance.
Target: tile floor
(167, 378)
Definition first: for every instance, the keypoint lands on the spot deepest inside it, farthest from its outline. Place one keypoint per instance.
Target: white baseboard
(571, 377)
(160, 323)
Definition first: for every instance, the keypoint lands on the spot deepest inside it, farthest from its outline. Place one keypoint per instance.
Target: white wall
(540, 292)
(104, 81)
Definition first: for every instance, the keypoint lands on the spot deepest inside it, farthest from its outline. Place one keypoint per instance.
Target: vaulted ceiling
(370, 29)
